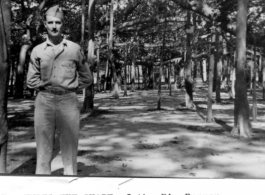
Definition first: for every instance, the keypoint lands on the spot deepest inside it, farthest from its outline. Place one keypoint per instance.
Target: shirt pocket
(45, 70)
(69, 69)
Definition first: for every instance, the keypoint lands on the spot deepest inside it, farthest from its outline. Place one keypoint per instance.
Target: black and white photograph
(132, 97)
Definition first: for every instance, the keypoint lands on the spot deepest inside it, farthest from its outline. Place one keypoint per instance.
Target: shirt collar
(49, 44)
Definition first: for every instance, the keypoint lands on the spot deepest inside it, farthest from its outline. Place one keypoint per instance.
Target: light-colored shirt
(62, 66)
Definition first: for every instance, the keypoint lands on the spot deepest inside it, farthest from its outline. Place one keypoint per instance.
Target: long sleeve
(33, 76)
(85, 77)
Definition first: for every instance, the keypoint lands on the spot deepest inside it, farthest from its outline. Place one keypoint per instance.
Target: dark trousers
(60, 113)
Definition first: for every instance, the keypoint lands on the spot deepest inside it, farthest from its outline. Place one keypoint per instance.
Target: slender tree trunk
(133, 67)
(154, 78)
(250, 63)
(242, 126)
(115, 90)
(169, 80)
(204, 70)
(83, 24)
(106, 76)
(98, 64)
(88, 104)
(20, 71)
(225, 74)
(263, 77)
(145, 77)
(125, 72)
(218, 59)
(5, 10)
(161, 70)
(12, 73)
(24, 48)
(138, 76)
(210, 79)
(254, 108)
(160, 76)
(233, 77)
(225, 65)
(188, 76)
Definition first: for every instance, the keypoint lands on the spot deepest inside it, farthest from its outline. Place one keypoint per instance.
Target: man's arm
(85, 77)
(33, 76)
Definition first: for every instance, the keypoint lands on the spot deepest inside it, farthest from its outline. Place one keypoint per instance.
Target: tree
(27, 44)
(188, 76)
(210, 79)
(5, 9)
(242, 126)
(88, 104)
(115, 90)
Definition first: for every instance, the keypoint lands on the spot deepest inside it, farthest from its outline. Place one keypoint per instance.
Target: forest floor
(130, 137)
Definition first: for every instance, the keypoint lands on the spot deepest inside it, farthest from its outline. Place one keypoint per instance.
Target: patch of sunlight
(27, 101)
(104, 148)
(236, 170)
(94, 145)
(155, 160)
(89, 126)
(233, 158)
(227, 146)
(18, 133)
(118, 139)
(117, 130)
(11, 116)
(104, 137)
(134, 134)
(114, 123)
(16, 145)
(57, 163)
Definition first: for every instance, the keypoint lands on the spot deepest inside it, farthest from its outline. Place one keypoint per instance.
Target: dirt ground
(130, 137)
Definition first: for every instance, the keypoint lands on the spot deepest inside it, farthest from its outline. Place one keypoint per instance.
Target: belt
(57, 92)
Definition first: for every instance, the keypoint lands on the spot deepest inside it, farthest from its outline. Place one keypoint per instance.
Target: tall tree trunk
(153, 76)
(218, 59)
(188, 76)
(138, 76)
(133, 67)
(5, 22)
(24, 48)
(106, 76)
(125, 71)
(83, 24)
(20, 71)
(169, 79)
(242, 126)
(88, 104)
(115, 90)
(263, 77)
(254, 108)
(98, 64)
(160, 76)
(161, 69)
(204, 70)
(210, 79)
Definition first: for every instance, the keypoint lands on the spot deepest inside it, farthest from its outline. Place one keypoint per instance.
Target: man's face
(54, 26)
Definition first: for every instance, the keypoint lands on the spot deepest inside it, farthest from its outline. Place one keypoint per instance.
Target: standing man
(57, 70)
